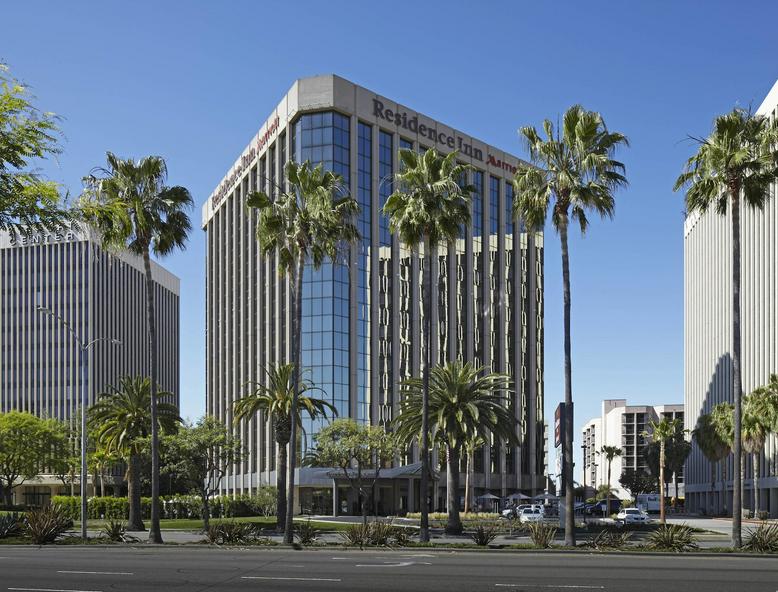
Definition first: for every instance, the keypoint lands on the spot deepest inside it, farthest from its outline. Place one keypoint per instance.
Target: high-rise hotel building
(362, 319)
(99, 295)
(708, 333)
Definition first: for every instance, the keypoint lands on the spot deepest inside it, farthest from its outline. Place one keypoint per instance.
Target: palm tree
(309, 224)
(661, 432)
(723, 419)
(463, 402)
(609, 452)
(102, 459)
(428, 208)
(712, 446)
(275, 399)
(472, 444)
(574, 173)
(132, 208)
(760, 414)
(122, 422)
(737, 161)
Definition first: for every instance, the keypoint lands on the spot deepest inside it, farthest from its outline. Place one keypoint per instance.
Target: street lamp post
(83, 349)
(583, 463)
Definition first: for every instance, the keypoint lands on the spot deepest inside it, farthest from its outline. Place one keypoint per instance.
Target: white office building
(708, 332)
(362, 322)
(99, 295)
(622, 426)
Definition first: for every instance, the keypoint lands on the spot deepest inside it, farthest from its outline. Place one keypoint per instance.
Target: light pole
(83, 348)
(583, 463)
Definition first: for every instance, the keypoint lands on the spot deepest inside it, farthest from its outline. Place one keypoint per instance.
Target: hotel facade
(362, 319)
(708, 334)
(101, 296)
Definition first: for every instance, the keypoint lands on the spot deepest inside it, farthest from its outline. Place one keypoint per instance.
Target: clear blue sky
(193, 81)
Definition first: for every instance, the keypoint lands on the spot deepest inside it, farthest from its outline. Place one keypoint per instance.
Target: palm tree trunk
(424, 531)
(756, 462)
(454, 525)
(102, 483)
(155, 534)
(206, 513)
(711, 505)
(724, 485)
(737, 387)
(281, 466)
(567, 443)
(297, 294)
(675, 489)
(662, 482)
(467, 480)
(608, 498)
(135, 521)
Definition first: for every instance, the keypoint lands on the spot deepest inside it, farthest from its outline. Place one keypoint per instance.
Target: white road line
(99, 573)
(566, 586)
(292, 579)
(50, 590)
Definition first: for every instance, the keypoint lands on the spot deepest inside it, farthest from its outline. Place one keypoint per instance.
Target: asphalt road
(71, 569)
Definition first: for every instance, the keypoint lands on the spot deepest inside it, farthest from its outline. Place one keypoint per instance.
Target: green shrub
(763, 539)
(230, 533)
(483, 534)
(673, 537)
(375, 534)
(305, 533)
(610, 539)
(541, 534)
(11, 525)
(116, 531)
(46, 525)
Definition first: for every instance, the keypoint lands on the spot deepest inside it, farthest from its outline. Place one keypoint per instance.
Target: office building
(100, 296)
(623, 426)
(708, 333)
(362, 320)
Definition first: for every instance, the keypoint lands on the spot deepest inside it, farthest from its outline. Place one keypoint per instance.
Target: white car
(531, 515)
(632, 516)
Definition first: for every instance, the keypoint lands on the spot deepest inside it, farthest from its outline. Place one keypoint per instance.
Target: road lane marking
(292, 579)
(98, 573)
(391, 564)
(50, 590)
(566, 586)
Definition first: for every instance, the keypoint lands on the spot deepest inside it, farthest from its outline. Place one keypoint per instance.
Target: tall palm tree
(311, 223)
(132, 208)
(712, 446)
(275, 399)
(661, 432)
(723, 419)
(463, 402)
(572, 171)
(428, 207)
(609, 452)
(760, 414)
(122, 421)
(736, 163)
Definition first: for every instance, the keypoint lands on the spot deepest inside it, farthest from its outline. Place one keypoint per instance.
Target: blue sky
(193, 81)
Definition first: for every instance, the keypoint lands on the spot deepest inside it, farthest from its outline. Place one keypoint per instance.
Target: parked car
(531, 515)
(515, 511)
(632, 516)
(598, 508)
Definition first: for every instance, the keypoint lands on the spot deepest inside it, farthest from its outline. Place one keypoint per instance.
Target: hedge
(177, 506)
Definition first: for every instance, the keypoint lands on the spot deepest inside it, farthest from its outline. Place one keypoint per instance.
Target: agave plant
(763, 539)
(46, 525)
(11, 525)
(673, 537)
(484, 534)
(541, 534)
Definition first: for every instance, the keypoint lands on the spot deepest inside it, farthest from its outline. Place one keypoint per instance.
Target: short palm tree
(474, 443)
(760, 414)
(101, 460)
(463, 402)
(274, 399)
(723, 420)
(573, 173)
(712, 446)
(121, 419)
(428, 207)
(311, 223)
(609, 452)
(737, 162)
(132, 208)
(661, 432)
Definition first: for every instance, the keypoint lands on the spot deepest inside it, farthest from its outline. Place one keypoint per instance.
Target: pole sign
(559, 425)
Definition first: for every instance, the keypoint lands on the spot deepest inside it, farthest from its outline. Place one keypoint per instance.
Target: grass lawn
(197, 524)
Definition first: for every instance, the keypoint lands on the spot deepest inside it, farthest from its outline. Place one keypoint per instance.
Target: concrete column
(411, 501)
(334, 497)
